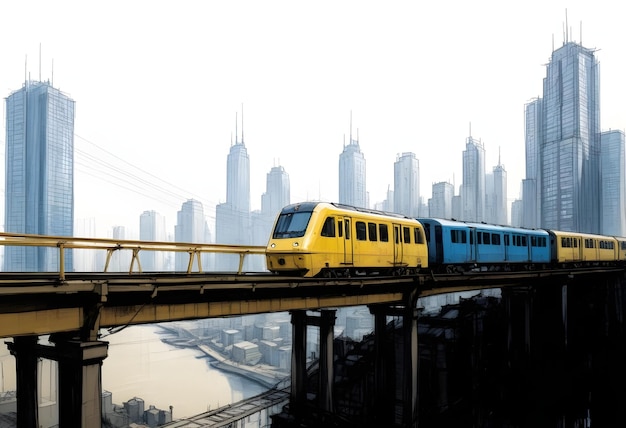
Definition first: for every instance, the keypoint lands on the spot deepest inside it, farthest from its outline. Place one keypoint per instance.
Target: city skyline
(407, 86)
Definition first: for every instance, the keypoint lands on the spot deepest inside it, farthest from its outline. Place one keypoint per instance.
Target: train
(331, 240)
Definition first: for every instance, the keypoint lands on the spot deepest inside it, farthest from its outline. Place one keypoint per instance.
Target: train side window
(524, 241)
(486, 238)
(495, 239)
(383, 232)
(507, 241)
(371, 229)
(454, 236)
(575, 243)
(396, 234)
(419, 237)
(479, 238)
(533, 241)
(471, 237)
(340, 228)
(347, 228)
(329, 227)
(407, 235)
(563, 243)
(361, 234)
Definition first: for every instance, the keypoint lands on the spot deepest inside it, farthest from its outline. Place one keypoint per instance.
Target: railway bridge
(72, 307)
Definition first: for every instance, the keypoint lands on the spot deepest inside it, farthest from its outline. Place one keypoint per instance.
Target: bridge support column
(25, 352)
(327, 352)
(80, 382)
(298, 361)
(387, 364)
(326, 323)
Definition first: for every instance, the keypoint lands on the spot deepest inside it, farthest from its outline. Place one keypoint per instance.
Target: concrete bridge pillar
(326, 323)
(79, 384)
(298, 361)
(327, 358)
(24, 350)
(387, 364)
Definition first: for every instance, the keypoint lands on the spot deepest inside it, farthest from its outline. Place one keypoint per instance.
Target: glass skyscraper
(613, 171)
(152, 228)
(191, 226)
(352, 187)
(473, 188)
(570, 144)
(406, 185)
(39, 193)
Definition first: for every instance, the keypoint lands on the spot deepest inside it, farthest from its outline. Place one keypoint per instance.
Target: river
(140, 365)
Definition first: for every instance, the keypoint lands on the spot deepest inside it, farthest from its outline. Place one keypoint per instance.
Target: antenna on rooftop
(566, 28)
(40, 62)
(241, 123)
(350, 142)
(52, 84)
(236, 123)
(25, 68)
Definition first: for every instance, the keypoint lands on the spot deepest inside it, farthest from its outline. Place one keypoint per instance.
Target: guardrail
(63, 243)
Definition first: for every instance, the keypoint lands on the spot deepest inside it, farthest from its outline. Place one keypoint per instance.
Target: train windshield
(291, 225)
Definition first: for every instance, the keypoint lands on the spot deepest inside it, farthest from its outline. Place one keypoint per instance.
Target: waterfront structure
(440, 205)
(473, 188)
(191, 227)
(152, 228)
(406, 194)
(39, 173)
(613, 179)
(531, 185)
(569, 149)
(352, 184)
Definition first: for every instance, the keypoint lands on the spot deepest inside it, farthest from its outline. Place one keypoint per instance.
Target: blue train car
(467, 246)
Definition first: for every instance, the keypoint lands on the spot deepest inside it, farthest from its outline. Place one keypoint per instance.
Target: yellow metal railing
(63, 243)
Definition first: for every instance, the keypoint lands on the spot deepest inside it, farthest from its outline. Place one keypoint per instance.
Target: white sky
(157, 85)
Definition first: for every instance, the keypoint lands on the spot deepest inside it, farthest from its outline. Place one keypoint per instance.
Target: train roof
(310, 206)
(484, 226)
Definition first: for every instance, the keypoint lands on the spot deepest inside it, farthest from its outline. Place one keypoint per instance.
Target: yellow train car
(334, 240)
(621, 249)
(582, 248)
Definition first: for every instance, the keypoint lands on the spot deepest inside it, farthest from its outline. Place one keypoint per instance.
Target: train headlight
(295, 244)
(273, 245)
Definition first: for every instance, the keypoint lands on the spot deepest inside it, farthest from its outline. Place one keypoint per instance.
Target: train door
(348, 250)
(397, 244)
(473, 245)
(438, 245)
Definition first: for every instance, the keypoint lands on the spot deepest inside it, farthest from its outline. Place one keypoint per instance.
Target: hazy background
(157, 86)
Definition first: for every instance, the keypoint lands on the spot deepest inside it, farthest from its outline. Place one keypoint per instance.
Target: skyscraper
(570, 145)
(613, 177)
(473, 188)
(440, 205)
(406, 193)
(531, 185)
(352, 186)
(39, 194)
(277, 192)
(496, 197)
(191, 226)
(232, 218)
(152, 228)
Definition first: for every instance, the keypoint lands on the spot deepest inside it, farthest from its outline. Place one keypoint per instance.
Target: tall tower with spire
(352, 184)
(570, 146)
(232, 218)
